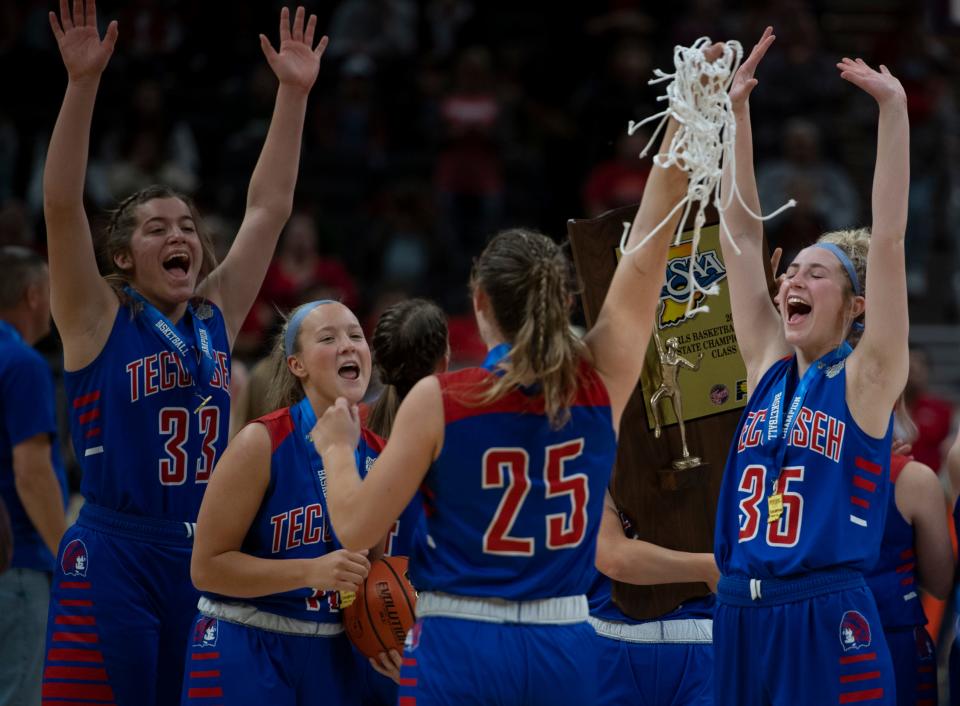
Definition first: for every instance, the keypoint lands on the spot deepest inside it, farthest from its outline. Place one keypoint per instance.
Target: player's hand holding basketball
(339, 425)
(743, 81)
(298, 61)
(84, 54)
(882, 85)
(388, 664)
(341, 570)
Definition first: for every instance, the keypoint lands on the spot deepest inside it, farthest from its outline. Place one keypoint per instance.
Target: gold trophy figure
(670, 364)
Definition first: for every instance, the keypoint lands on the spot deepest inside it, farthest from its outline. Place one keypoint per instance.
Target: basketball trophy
(670, 457)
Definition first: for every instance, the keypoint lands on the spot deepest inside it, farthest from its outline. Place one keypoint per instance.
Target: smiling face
(332, 358)
(816, 302)
(165, 256)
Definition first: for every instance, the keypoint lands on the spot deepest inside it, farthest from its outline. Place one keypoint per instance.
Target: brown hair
(115, 238)
(527, 279)
(285, 388)
(409, 341)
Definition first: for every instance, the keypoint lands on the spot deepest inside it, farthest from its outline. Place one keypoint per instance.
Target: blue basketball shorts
(914, 665)
(121, 606)
(475, 663)
(650, 673)
(955, 668)
(812, 640)
(241, 665)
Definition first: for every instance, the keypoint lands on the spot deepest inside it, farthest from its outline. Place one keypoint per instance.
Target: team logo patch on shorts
(854, 631)
(75, 559)
(413, 637)
(205, 632)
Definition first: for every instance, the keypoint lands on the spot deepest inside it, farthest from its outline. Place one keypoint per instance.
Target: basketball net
(698, 99)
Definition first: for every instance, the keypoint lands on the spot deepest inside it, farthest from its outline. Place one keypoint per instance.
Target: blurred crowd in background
(436, 122)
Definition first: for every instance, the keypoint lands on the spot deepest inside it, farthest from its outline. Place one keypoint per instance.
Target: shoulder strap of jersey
(279, 425)
(897, 462)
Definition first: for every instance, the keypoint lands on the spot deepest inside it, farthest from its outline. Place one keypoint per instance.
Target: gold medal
(774, 507)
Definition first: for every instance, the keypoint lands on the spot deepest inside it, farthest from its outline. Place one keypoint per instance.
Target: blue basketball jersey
(26, 410)
(512, 506)
(893, 579)
(293, 522)
(832, 476)
(145, 444)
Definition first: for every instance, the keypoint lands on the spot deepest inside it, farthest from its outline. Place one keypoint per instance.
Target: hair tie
(845, 261)
(293, 326)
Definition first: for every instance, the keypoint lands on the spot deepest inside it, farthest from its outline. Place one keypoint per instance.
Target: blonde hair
(855, 244)
(285, 388)
(527, 280)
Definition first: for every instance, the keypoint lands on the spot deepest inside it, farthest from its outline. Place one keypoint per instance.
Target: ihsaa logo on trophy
(708, 270)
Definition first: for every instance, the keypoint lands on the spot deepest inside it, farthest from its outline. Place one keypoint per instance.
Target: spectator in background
(150, 146)
(826, 197)
(469, 171)
(618, 181)
(32, 480)
(299, 268)
(932, 414)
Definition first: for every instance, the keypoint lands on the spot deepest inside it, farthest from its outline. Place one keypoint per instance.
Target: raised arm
(363, 512)
(619, 336)
(233, 286)
(878, 367)
(230, 504)
(756, 321)
(82, 303)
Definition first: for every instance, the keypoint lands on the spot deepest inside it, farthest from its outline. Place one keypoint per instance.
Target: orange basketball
(383, 612)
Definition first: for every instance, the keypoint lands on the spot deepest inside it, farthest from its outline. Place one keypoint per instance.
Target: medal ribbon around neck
(200, 366)
(780, 434)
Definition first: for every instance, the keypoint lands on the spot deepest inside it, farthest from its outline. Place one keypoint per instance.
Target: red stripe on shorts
(85, 637)
(856, 696)
(67, 655)
(75, 620)
(76, 673)
(66, 690)
(207, 692)
(865, 657)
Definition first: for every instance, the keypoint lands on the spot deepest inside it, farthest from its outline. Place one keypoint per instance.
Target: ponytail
(528, 282)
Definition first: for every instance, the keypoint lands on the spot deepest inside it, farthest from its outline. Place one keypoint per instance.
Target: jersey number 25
(510, 467)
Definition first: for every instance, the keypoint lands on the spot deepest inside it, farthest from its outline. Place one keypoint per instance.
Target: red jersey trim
(374, 441)
(897, 463)
(461, 387)
(279, 425)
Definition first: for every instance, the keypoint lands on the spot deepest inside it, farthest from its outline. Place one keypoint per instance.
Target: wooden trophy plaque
(667, 484)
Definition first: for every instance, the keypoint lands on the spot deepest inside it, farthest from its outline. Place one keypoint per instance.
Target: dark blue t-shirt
(26, 401)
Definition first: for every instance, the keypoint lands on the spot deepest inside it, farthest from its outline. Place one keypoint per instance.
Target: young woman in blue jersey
(270, 570)
(147, 354)
(663, 661)
(804, 494)
(409, 343)
(513, 460)
(915, 552)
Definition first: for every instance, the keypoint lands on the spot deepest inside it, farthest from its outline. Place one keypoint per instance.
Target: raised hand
(298, 62)
(84, 54)
(743, 81)
(882, 85)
